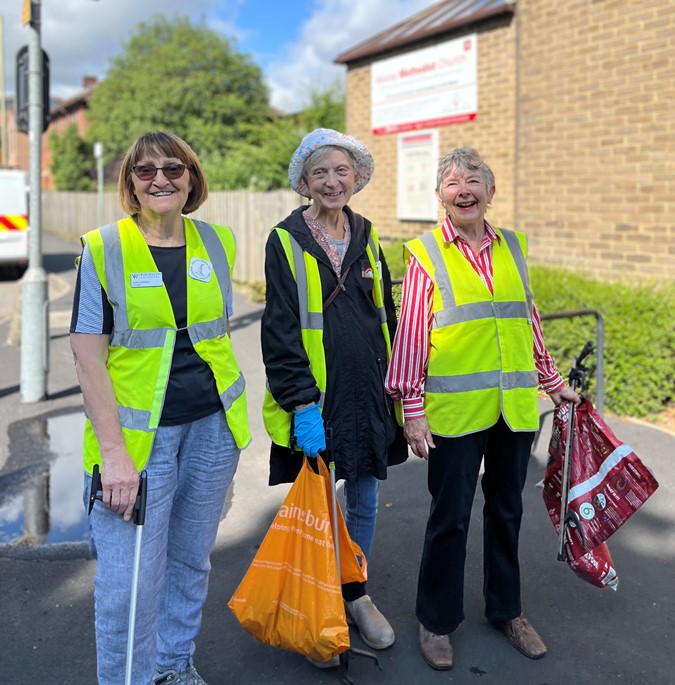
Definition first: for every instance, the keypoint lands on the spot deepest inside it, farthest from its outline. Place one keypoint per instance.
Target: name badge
(200, 270)
(152, 279)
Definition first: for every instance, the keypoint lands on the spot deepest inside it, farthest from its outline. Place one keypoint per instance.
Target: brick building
(72, 110)
(574, 113)
(62, 113)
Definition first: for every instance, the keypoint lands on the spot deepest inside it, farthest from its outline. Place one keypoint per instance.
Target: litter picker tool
(577, 381)
(139, 520)
(344, 657)
(333, 497)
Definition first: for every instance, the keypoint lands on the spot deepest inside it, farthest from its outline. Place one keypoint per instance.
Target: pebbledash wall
(576, 117)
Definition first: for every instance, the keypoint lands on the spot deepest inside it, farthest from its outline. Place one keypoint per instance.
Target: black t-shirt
(191, 392)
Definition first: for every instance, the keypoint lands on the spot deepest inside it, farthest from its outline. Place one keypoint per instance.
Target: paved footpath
(46, 631)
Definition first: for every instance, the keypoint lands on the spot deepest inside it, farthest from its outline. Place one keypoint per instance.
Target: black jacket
(366, 438)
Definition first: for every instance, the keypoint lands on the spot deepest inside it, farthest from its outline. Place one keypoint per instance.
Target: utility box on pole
(22, 91)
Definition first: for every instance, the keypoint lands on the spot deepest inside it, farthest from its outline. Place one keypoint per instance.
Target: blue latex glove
(309, 433)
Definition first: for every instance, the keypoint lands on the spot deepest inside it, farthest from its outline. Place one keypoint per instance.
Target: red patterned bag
(608, 484)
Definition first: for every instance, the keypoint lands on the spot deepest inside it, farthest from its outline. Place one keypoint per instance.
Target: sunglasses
(146, 172)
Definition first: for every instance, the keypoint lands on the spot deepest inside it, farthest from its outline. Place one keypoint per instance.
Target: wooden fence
(249, 215)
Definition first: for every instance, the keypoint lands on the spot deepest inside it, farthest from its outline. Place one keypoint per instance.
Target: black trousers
(454, 466)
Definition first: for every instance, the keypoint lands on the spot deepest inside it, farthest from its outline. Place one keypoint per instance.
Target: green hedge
(639, 335)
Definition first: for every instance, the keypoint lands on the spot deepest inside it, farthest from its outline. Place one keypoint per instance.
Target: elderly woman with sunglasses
(163, 393)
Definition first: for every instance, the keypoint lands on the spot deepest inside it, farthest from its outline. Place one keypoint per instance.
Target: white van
(13, 221)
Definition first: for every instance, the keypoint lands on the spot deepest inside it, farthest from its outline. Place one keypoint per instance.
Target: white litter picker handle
(96, 493)
(139, 520)
(333, 496)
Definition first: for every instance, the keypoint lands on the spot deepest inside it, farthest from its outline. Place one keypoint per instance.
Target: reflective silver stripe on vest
(218, 257)
(381, 312)
(207, 330)
(519, 258)
(442, 275)
(484, 380)
(480, 310)
(114, 276)
(233, 393)
(308, 320)
(134, 419)
(139, 340)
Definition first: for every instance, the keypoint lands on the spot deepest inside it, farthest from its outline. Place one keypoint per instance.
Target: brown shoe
(436, 649)
(523, 637)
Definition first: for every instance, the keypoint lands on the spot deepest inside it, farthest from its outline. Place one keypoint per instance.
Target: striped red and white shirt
(410, 352)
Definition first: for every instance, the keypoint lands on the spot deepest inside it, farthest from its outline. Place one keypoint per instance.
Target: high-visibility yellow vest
(144, 332)
(305, 270)
(481, 362)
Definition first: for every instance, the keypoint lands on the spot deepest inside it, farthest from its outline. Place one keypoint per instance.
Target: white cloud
(334, 27)
(81, 37)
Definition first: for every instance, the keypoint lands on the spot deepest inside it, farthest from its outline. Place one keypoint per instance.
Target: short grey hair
(464, 159)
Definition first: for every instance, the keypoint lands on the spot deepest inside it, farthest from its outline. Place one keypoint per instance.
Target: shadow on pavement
(245, 320)
(60, 262)
(10, 390)
(74, 390)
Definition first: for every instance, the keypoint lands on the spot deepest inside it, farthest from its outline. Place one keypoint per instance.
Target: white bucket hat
(321, 137)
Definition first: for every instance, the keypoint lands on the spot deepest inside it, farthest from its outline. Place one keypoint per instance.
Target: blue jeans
(189, 472)
(361, 511)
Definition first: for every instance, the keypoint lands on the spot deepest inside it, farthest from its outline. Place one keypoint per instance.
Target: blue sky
(293, 41)
(267, 26)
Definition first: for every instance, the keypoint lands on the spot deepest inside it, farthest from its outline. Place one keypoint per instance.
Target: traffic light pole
(3, 103)
(35, 303)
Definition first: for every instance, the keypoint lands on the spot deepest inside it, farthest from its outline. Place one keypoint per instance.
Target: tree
(183, 78)
(189, 80)
(71, 160)
(326, 109)
(259, 161)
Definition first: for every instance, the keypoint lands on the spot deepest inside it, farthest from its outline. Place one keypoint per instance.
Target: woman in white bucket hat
(326, 330)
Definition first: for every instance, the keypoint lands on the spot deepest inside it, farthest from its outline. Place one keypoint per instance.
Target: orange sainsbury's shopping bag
(291, 595)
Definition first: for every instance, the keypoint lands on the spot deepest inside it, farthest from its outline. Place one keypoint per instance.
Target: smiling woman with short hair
(326, 329)
(163, 393)
(467, 361)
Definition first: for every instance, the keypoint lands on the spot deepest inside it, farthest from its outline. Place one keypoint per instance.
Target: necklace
(156, 237)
